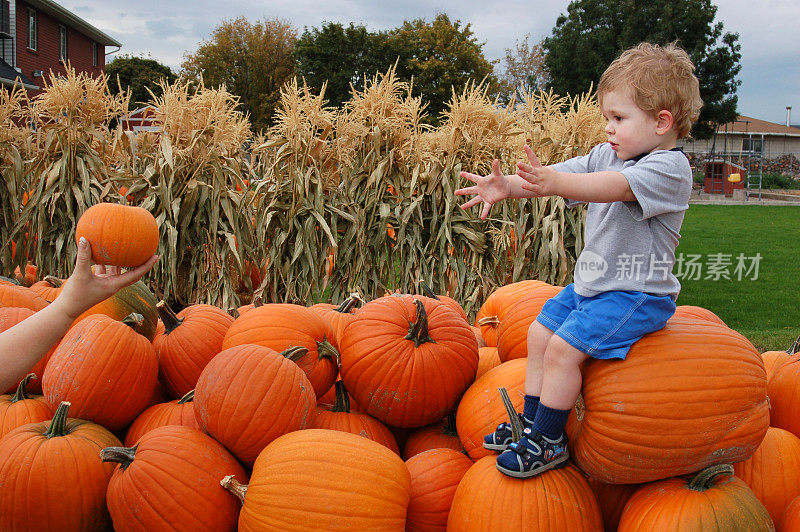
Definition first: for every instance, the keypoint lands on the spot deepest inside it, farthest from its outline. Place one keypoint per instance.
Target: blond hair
(659, 78)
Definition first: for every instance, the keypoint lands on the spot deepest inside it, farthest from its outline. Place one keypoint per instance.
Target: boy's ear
(664, 122)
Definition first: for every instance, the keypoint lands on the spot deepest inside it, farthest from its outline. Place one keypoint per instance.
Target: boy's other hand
(541, 180)
(487, 190)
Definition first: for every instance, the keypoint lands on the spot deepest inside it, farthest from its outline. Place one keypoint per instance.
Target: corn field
(327, 202)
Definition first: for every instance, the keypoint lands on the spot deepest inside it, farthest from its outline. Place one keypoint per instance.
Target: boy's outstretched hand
(488, 189)
(541, 180)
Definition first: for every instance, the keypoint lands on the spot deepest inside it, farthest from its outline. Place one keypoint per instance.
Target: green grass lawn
(766, 310)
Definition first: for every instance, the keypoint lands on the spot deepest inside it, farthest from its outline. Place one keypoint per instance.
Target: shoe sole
(555, 464)
(495, 446)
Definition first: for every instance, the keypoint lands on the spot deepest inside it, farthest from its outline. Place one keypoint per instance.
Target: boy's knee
(559, 351)
(538, 332)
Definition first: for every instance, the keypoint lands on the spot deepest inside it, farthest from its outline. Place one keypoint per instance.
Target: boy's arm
(595, 187)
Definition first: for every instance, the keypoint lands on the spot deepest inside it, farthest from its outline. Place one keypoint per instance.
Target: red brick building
(37, 36)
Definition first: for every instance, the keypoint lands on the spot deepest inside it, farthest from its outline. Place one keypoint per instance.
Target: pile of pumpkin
(296, 418)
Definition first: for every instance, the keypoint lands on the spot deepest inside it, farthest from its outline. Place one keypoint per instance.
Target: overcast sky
(165, 30)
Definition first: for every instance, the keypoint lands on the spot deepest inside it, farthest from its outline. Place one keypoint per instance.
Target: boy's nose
(609, 128)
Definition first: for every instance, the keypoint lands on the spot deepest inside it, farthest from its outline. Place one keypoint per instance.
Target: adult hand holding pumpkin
(25, 343)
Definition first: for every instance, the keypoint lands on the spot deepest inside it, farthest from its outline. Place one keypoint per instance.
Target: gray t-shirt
(630, 245)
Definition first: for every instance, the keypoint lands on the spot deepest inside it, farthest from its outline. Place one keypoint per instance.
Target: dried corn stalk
(12, 172)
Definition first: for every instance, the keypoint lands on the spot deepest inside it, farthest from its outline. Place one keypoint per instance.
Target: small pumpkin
(499, 302)
(186, 465)
(12, 295)
(775, 359)
(52, 478)
(512, 334)
(22, 408)
(48, 288)
(106, 370)
(488, 358)
(713, 499)
(134, 299)
(784, 395)
(121, 235)
(337, 317)
(178, 412)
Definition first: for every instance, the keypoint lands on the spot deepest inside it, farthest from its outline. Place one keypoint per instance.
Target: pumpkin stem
(350, 303)
(580, 407)
(419, 331)
(450, 425)
(22, 389)
(55, 282)
(513, 418)
(258, 300)
(186, 398)
(427, 291)
(121, 455)
(494, 321)
(168, 317)
(133, 319)
(326, 349)
(342, 402)
(705, 478)
(234, 486)
(795, 347)
(295, 353)
(59, 422)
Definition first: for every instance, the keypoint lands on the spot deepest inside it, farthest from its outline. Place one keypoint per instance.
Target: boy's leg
(543, 446)
(538, 338)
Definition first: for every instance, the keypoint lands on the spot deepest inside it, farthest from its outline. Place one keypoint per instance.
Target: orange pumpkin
(612, 499)
(773, 472)
(335, 481)
(48, 288)
(248, 395)
(790, 520)
(435, 475)
(690, 311)
(106, 370)
(10, 316)
(442, 435)
(512, 334)
(784, 395)
(12, 295)
(408, 359)
(51, 476)
(688, 396)
(339, 417)
(280, 326)
(121, 235)
(29, 278)
(136, 298)
(488, 358)
(711, 500)
(178, 412)
(493, 310)
(187, 342)
(21, 408)
(775, 359)
(481, 409)
(338, 317)
(559, 499)
(186, 466)
(427, 291)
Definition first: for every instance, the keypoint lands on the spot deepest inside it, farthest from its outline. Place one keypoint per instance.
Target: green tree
(594, 32)
(253, 61)
(137, 74)
(440, 56)
(341, 56)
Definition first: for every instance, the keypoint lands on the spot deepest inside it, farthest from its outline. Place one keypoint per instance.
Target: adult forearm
(24, 344)
(595, 187)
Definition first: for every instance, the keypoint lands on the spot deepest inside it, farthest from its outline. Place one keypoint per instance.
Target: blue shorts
(605, 325)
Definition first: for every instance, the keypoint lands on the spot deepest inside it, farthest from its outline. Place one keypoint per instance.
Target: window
(94, 54)
(752, 145)
(62, 43)
(5, 17)
(33, 29)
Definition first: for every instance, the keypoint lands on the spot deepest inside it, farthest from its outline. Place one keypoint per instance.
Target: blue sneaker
(501, 438)
(534, 453)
